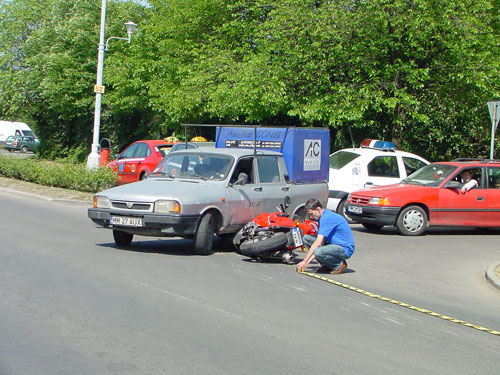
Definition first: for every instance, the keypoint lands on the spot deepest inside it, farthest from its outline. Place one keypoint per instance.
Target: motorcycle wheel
(256, 247)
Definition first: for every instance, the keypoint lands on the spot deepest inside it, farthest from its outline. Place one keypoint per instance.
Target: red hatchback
(434, 195)
(138, 160)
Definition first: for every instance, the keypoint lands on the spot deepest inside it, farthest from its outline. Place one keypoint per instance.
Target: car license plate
(126, 221)
(297, 237)
(355, 209)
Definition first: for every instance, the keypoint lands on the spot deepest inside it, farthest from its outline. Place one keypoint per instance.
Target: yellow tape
(402, 304)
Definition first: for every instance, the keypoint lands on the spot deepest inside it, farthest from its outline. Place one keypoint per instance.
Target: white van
(8, 128)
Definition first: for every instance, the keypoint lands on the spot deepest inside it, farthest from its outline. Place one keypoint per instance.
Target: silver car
(198, 193)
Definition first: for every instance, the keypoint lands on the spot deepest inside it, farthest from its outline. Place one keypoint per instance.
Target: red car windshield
(430, 175)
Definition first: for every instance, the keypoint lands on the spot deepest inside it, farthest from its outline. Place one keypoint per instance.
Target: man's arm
(469, 185)
(310, 254)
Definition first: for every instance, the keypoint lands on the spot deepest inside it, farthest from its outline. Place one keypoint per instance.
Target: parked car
(8, 128)
(432, 196)
(375, 163)
(138, 160)
(21, 143)
(190, 145)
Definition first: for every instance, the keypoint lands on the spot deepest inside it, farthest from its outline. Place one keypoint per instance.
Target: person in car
(333, 244)
(467, 181)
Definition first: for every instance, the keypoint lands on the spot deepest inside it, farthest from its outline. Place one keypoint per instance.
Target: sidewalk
(44, 192)
(493, 275)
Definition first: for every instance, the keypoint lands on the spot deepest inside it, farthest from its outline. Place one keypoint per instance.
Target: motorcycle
(273, 236)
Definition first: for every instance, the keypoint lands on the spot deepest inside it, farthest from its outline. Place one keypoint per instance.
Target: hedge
(59, 174)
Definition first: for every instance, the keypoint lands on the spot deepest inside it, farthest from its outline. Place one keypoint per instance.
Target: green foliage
(418, 73)
(59, 174)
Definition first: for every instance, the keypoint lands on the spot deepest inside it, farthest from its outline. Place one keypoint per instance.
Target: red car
(138, 160)
(432, 196)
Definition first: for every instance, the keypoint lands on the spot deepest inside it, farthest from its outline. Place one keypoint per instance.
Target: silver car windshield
(203, 166)
(430, 175)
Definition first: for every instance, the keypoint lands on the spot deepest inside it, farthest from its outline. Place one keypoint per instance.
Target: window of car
(142, 150)
(412, 164)
(340, 159)
(196, 166)
(129, 152)
(476, 173)
(245, 165)
(494, 178)
(383, 166)
(269, 170)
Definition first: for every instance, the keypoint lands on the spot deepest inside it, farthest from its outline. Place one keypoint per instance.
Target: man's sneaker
(324, 269)
(340, 268)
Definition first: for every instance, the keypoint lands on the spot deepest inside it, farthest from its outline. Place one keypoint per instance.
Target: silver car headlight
(167, 207)
(101, 202)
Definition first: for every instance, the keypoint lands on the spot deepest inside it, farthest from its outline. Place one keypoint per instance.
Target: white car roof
(367, 151)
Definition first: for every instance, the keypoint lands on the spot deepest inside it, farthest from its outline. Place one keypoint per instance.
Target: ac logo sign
(312, 154)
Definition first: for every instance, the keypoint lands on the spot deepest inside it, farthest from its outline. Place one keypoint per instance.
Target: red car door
(492, 212)
(464, 209)
(127, 164)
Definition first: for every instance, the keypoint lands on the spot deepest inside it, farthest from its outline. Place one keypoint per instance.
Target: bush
(59, 174)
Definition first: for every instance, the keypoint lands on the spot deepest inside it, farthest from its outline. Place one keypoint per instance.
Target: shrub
(59, 174)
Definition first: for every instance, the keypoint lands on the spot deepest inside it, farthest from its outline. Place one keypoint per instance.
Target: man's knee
(309, 240)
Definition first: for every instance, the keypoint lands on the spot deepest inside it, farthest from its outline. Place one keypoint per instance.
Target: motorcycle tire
(256, 247)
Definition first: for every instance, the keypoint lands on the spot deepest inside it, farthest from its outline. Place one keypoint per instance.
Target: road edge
(491, 276)
(38, 196)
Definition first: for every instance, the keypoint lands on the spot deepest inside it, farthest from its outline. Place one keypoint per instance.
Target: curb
(38, 196)
(491, 276)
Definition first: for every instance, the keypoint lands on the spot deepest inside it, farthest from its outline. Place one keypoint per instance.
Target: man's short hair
(312, 204)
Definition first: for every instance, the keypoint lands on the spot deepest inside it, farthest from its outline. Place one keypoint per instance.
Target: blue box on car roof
(305, 150)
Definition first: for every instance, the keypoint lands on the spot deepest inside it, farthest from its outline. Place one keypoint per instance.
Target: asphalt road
(73, 303)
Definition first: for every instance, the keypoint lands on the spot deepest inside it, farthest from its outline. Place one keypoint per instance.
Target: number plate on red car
(355, 209)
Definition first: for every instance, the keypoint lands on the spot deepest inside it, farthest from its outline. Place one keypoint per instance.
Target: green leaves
(415, 72)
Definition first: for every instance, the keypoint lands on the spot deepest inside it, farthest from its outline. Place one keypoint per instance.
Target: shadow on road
(168, 246)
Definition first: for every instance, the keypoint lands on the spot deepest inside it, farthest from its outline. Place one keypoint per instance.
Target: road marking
(403, 304)
(182, 297)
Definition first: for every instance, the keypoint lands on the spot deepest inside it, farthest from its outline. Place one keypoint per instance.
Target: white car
(375, 163)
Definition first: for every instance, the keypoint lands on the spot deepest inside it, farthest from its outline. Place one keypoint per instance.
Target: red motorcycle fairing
(273, 236)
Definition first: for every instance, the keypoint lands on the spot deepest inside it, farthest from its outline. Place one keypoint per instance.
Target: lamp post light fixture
(93, 158)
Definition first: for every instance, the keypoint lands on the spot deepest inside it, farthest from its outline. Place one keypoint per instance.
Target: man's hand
(301, 266)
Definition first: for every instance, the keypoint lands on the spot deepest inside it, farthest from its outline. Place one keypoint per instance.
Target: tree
(54, 73)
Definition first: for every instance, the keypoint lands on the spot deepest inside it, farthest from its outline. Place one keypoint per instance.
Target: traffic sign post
(494, 108)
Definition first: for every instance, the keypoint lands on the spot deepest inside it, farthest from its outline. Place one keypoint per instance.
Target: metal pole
(493, 120)
(93, 159)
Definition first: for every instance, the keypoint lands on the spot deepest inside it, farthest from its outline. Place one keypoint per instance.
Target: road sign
(99, 89)
(494, 108)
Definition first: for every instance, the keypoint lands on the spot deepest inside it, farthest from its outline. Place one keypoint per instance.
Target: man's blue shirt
(336, 231)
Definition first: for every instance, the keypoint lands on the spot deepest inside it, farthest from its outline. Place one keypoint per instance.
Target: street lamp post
(93, 158)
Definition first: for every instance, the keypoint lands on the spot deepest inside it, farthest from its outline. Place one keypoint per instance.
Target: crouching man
(333, 244)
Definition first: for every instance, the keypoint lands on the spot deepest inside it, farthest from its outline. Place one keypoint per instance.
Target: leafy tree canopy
(415, 72)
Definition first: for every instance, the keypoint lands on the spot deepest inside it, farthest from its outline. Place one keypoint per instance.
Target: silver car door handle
(258, 188)
(285, 188)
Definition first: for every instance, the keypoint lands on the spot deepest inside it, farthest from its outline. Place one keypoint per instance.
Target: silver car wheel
(413, 221)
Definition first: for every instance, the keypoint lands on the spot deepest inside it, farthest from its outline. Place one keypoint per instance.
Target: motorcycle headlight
(101, 202)
(167, 206)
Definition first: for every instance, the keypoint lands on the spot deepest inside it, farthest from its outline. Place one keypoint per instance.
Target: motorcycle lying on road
(273, 236)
